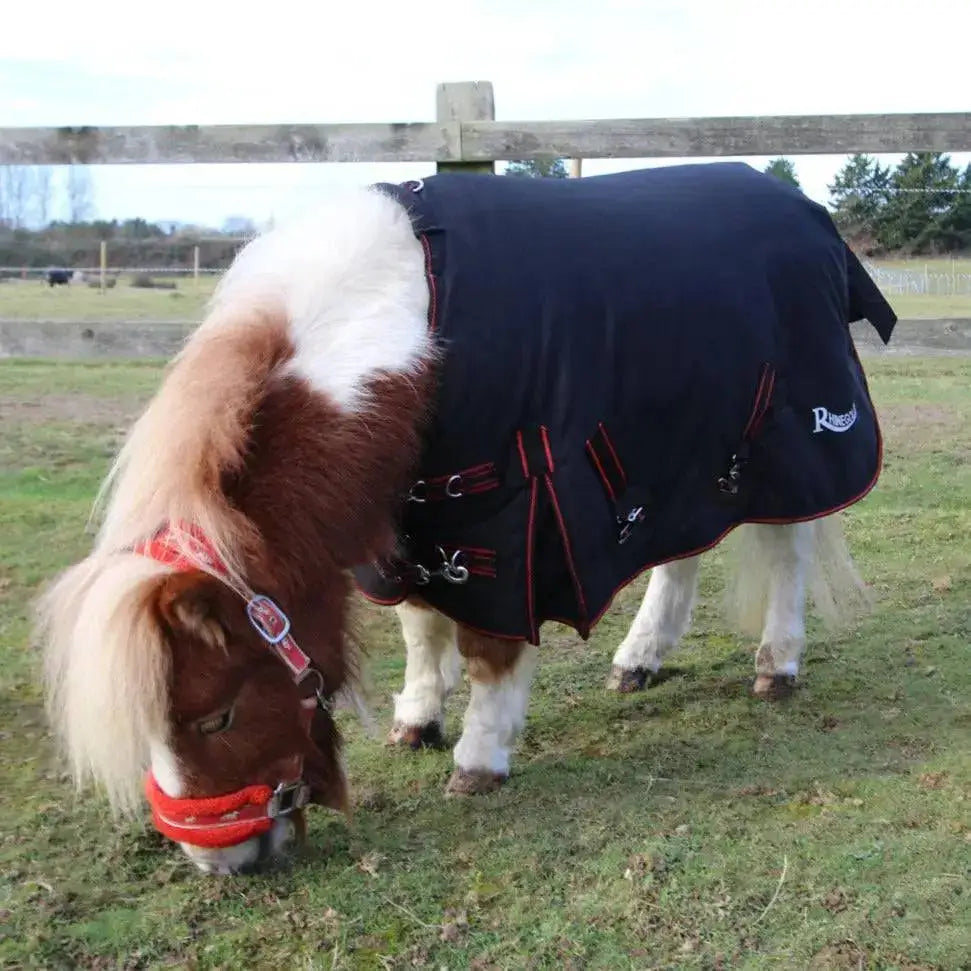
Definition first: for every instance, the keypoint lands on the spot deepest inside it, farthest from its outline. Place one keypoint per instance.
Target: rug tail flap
(866, 300)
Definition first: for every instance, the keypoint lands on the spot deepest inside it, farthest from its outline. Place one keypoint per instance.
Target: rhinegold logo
(830, 422)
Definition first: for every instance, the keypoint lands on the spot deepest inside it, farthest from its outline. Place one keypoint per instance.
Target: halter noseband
(220, 821)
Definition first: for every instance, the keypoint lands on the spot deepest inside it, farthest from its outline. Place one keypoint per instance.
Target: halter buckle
(270, 621)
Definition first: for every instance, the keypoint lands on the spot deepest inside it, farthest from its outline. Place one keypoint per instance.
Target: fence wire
(921, 280)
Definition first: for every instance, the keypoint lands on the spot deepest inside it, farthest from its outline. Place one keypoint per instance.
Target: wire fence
(923, 279)
(920, 278)
(92, 272)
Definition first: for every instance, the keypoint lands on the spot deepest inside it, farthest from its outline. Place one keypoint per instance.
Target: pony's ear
(189, 603)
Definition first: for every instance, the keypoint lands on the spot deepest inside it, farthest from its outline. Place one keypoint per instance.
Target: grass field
(688, 827)
(36, 301)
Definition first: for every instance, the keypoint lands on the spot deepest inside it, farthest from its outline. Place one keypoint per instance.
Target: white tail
(833, 583)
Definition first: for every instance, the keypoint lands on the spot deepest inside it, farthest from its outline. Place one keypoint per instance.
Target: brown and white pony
(204, 637)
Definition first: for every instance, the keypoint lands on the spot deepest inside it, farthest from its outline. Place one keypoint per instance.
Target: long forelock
(106, 670)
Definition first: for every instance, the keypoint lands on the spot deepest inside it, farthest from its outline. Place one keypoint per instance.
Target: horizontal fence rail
(693, 137)
(467, 134)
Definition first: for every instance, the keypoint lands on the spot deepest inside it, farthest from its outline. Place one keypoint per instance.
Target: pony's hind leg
(661, 622)
(785, 558)
(501, 674)
(432, 670)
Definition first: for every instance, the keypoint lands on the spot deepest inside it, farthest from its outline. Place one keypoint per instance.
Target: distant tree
(783, 168)
(80, 201)
(858, 194)
(921, 196)
(239, 226)
(15, 195)
(43, 178)
(538, 168)
(956, 224)
(140, 229)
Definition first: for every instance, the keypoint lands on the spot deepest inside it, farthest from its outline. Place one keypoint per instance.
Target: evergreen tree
(783, 168)
(957, 222)
(921, 196)
(859, 194)
(538, 168)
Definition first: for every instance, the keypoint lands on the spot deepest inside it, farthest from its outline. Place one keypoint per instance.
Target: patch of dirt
(842, 956)
(757, 791)
(836, 900)
(903, 963)
(81, 408)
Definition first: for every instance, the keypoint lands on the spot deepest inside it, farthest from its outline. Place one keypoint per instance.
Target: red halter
(221, 821)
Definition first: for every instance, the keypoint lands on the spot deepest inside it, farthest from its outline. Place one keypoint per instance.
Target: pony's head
(169, 675)
(167, 661)
(194, 655)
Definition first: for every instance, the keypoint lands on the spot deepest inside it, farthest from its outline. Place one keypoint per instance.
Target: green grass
(688, 827)
(915, 306)
(938, 264)
(37, 301)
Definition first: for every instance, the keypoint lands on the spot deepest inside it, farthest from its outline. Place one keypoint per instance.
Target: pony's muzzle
(251, 856)
(238, 832)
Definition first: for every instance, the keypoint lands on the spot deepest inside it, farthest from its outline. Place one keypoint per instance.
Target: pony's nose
(247, 857)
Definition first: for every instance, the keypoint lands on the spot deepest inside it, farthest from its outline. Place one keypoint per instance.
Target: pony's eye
(216, 724)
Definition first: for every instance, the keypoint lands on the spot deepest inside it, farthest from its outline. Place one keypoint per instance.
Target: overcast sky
(203, 62)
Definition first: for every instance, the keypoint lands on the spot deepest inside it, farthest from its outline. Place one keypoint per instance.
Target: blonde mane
(106, 666)
(339, 296)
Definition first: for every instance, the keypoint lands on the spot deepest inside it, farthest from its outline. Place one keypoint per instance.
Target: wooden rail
(466, 136)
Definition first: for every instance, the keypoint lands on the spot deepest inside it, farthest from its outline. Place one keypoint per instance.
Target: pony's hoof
(416, 736)
(774, 687)
(476, 782)
(628, 680)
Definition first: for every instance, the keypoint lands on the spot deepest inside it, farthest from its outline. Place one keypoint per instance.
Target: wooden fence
(466, 136)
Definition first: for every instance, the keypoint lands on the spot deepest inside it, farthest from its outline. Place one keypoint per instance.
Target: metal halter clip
(323, 702)
(288, 797)
(415, 497)
(633, 518)
(423, 574)
(452, 570)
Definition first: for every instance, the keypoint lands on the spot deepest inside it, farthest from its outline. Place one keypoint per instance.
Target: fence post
(195, 263)
(465, 101)
(104, 263)
(576, 168)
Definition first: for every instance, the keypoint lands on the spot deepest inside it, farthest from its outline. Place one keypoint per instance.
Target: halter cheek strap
(189, 549)
(219, 821)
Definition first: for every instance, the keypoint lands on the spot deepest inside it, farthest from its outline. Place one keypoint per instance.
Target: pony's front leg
(661, 622)
(432, 670)
(501, 675)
